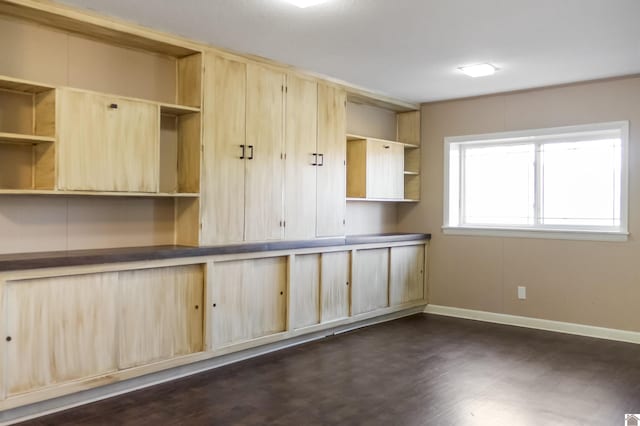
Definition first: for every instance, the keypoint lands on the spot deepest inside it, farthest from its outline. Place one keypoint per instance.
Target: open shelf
(384, 200)
(22, 86)
(352, 137)
(98, 194)
(172, 109)
(24, 139)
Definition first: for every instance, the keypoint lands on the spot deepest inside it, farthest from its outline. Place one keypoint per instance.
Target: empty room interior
(320, 212)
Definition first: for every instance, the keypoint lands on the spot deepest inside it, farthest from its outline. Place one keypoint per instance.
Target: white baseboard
(539, 324)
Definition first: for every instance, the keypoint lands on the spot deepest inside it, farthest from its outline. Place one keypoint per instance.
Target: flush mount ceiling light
(305, 3)
(479, 70)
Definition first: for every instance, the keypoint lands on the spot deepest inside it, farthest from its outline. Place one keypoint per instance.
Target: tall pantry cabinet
(274, 155)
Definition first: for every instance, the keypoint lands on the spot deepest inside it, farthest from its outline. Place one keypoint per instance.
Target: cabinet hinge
(344, 221)
(344, 162)
(283, 155)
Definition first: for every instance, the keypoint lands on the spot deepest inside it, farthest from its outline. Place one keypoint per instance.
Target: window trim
(543, 231)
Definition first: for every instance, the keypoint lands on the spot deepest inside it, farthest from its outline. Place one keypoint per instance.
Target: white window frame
(572, 232)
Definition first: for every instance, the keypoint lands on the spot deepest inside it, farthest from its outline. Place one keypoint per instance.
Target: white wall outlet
(522, 293)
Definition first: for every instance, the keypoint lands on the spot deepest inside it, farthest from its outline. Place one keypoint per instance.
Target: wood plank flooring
(420, 370)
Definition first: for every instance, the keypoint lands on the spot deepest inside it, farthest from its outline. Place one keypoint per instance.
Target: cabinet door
(61, 329)
(332, 189)
(385, 170)
(248, 300)
(335, 286)
(407, 274)
(370, 280)
(305, 288)
(222, 187)
(300, 147)
(107, 143)
(160, 314)
(264, 172)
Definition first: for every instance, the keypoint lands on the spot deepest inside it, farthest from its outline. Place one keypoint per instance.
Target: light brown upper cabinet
(264, 218)
(224, 151)
(302, 158)
(315, 157)
(242, 196)
(331, 185)
(107, 143)
(375, 169)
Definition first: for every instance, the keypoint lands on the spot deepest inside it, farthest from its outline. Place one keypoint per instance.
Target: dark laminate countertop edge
(54, 259)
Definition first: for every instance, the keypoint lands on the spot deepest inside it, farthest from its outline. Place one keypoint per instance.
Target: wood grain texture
(16, 112)
(189, 149)
(44, 106)
(160, 314)
(187, 221)
(265, 172)
(249, 298)
(44, 166)
(332, 176)
(385, 170)
(62, 329)
(306, 291)
(300, 146)
(412, 160)
(370, 280)
(189, 84)
(106, 149)
(357, 168)
(412, 187)
(406, 278)
(408, 125)
(223, 169)
(336, 284)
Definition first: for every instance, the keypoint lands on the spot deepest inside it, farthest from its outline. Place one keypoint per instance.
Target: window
(568, 182)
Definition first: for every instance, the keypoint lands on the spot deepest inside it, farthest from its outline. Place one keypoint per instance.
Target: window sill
(555, 234)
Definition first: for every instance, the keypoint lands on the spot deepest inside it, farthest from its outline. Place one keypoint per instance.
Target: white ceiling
(410, 49)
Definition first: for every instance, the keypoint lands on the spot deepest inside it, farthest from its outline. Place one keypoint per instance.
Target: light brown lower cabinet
(306, 291)
(247, 299)
(66, 328)
(370, 280)
(335, 276)
(406, 282)
(59, 329)
(159, 314)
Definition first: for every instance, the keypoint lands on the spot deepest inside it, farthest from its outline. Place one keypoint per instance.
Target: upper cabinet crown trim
(94, 26)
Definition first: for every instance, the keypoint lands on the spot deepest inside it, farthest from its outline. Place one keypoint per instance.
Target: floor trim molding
(536, 323)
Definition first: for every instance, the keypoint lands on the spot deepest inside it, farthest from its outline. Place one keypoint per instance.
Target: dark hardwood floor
(421, 370)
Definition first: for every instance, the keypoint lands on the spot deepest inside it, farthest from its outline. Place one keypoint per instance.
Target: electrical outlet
(522, 293)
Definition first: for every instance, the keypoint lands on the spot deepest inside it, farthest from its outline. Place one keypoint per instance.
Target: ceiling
(410, 49)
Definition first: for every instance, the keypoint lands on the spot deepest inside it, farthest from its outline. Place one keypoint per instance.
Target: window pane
(581, 183)
(499, 185)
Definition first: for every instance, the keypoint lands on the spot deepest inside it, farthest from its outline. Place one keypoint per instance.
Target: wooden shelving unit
(383, 170)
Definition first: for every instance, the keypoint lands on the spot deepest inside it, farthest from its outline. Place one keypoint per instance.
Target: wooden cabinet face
(305, 289)
(223, 183)
(300, 147)
(407, 274)
(249, 298)
(385, 170)
(61, 329)
(335, 271)
(370, 280)
(160, 314)
(107, 143)
(264, 165)
(331, 187)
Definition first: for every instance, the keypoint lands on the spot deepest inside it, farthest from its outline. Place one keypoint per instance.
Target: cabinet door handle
(387, 146)
(243, 152)
(113, 106)
(250, 151)
(321, 160)
(315, 159)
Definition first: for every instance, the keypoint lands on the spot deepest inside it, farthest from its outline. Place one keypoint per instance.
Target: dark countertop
(52, 259)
